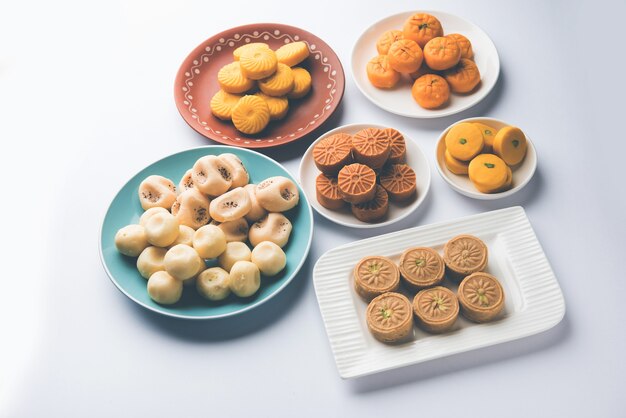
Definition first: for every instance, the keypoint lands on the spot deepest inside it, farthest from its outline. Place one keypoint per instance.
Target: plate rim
(341, 79)
(513, 210)
(205, 317)
(421, 199)
(444, 113)
(476, 194)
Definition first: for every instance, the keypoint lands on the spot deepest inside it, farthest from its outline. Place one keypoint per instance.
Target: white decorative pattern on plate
(534, 302)
(196, 68)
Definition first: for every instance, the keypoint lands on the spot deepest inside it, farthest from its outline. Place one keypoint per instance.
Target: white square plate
(534, 302)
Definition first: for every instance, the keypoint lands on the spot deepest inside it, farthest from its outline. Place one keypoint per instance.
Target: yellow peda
(249, 47)
(464, 45)
(231, 79)
(441, 53)
(464, 141)
(222, 104)
(422, 27)
(405, 56)
(489, 135)
(386, 39)
(279, 83)
(258, 63)
(278, 105)
(251, 115)
(454, 165)
(510, 145)
(507, 184)
(301, 83)
(292, 53)
(463, 77)
(380, 73)
(488, 172)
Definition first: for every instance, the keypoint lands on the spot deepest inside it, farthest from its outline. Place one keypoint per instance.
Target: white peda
(275, 227)
(191, 208)
(183, 262)
(269, 258)
(277, 194)
(232, 205)
(239, 174)
(150, 261)
(211, 175)
(186, 182)
(236, 230)
(164, 289)
(147, 214)
(157, 191)
(256, 210)
(245, 279)
(212, 283)
(185, 236)
(209, 241)
(235, 251)
(162, 229)
(131, 240)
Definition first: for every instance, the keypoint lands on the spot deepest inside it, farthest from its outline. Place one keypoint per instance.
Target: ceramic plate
(533, 298)
(125, 209)
(522, 173)
(196, 82)
(397, 211)
(399, 100)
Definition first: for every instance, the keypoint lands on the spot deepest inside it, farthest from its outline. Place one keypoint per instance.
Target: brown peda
(421, 267)
(375, 275)
(464, 255)
(332, 153)
(357, 183)
(399, 181)
(435, 309)
(398, 146)
(481, 297)
(389, 317)
(371, 146)
(375, 209)
(327, 192)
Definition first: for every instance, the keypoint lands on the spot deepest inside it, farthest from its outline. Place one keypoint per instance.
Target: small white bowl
(415, 158)
(522, 173)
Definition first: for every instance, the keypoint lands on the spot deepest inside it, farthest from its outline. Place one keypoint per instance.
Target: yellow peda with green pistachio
(489, 134)
(488, 172)
(455, 166)
(464, 141)
(510, 145)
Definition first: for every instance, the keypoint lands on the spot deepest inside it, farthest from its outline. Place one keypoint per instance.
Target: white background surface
(86, 101)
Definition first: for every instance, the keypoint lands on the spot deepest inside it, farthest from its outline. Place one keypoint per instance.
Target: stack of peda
(212, 215)
(365, 170)
(485, 154)
(256, 87)
(435, 307)
(438, 64)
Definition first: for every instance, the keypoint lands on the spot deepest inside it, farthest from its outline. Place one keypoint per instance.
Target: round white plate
(399, 100)
(415, 158)
(522, 173)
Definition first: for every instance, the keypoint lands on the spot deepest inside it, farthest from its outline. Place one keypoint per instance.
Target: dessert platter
(215, 231)
(424, 64)
(435, 290)
(259, 86)
(206, 233)
(485, 158)
(395, 173)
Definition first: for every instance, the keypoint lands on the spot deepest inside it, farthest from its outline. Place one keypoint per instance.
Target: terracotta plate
(196, 82)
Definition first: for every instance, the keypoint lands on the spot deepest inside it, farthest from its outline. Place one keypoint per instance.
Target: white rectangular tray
(534, 302)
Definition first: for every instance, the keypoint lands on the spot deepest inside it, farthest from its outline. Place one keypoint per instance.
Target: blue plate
(125, 209)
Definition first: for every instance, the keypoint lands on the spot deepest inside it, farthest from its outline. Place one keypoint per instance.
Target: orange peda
(405, 56)
(464, 45)
(422, 27)
(357, 183)
(386, 39)
(464, 141)
(332, 153)
(442, 53)
(463, 77)
(380, 73)
(430, 91)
